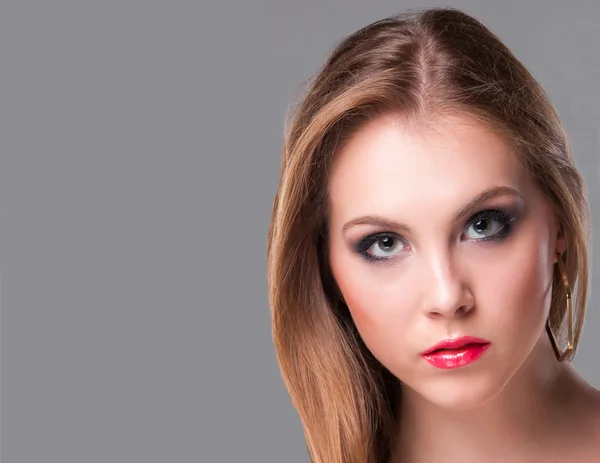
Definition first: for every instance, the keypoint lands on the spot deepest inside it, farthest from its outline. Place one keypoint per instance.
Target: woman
(427, 232)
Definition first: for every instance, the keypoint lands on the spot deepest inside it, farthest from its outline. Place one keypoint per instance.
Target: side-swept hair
(416, 65)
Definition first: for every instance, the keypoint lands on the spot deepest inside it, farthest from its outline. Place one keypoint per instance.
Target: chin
(460, 394)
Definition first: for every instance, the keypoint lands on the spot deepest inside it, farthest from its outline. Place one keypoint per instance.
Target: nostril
(463, 310)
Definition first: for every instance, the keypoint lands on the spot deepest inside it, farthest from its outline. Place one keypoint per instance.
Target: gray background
(140, 145)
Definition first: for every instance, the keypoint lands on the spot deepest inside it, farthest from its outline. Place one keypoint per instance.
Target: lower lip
(454, 358)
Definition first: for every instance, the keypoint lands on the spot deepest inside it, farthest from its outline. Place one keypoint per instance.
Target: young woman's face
(436, 235)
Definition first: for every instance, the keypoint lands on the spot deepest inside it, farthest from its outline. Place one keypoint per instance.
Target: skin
(440, 280)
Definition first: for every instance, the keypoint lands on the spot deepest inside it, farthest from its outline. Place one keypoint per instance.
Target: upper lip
(455, 343)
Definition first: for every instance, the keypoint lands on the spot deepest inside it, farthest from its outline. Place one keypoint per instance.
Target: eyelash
(503, 217)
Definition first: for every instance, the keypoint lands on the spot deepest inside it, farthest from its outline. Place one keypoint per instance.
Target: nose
(447, 292)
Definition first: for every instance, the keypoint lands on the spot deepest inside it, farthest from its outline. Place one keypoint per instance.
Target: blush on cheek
(380, 319)
(378, 301)
(364, 317)
(533, 274)
(515, 291)
(371, 331)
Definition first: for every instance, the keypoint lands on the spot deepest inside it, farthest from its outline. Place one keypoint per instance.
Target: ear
(561, 243)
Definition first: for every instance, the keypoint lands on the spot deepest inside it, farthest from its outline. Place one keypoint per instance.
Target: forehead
(385, 166)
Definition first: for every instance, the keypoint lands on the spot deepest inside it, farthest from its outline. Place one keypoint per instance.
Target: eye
(380, 246)
(487, 225)
(483, 228)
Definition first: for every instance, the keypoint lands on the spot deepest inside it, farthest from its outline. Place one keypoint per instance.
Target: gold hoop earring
(560, 356)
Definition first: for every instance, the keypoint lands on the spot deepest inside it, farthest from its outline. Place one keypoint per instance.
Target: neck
(531, 415)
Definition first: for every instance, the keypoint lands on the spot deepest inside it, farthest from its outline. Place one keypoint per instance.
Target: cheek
(381, 317)
(379, 300)
(514, 289)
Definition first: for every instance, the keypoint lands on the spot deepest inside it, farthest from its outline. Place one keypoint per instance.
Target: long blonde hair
(415, 64)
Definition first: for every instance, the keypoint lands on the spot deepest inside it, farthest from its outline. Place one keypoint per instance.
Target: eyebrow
(465, 210)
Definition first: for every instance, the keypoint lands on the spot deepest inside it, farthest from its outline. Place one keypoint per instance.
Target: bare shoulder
(583, 416)
(592, 398)
(592, 419)
(595, 410)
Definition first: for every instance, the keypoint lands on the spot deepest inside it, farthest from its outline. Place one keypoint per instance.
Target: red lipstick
(455, 353)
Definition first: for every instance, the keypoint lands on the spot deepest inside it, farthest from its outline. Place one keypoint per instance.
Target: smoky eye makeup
(380, 246)
(489, 225)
